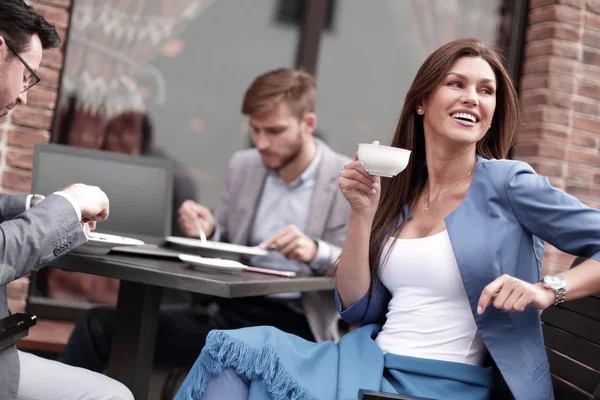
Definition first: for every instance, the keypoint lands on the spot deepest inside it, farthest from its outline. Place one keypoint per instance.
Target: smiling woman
(442, 284)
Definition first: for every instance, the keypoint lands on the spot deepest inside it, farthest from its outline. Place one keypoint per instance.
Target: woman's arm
(559, 219)
(582, 281)
(353, 275)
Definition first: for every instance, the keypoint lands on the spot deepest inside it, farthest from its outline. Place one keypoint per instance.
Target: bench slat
(565, 391)
(571, 371)
(372, 395)
(572, 346)
(588, 306)
(574, 323)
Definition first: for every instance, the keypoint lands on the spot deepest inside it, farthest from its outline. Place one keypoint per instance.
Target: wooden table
(142, 279)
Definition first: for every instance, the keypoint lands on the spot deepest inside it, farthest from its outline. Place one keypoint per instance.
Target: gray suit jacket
(28, 240)
(328, 220)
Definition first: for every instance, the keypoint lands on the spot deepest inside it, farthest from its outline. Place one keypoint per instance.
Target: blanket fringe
(222, 351)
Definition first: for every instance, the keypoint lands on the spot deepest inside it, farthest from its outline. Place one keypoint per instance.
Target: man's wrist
(73, 202)
(33, 199)
(322, 256)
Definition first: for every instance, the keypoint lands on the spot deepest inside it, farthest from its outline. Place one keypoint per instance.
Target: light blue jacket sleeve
(364, 311)
(551, 214)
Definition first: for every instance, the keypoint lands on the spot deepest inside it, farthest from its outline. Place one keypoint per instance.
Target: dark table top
(175, 274)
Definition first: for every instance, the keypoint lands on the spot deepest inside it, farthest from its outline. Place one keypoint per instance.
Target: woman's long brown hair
(404, 189)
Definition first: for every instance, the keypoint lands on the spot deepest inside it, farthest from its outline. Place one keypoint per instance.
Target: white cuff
(323, 257)
(28, 201)
(73, 202)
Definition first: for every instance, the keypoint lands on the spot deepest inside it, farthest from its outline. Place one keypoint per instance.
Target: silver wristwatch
(558, 284)
(35, 199)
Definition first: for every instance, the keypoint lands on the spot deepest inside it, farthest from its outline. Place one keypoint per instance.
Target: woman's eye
(487, 91)
(455, 84)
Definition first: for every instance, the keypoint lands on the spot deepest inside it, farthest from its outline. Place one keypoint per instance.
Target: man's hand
(190, 210)
(292, 243)
(93, 202)
(512, 294)
(88, 227)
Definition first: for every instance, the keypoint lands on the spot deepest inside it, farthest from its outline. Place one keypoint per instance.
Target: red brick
(555, 82)
(586, 107)
(581, 174)
(17, 179)
(546, 97)
(56, 3)
(49, 77)
(586, 124)
(547, 168)
(546, 114)
(591, 57)
(552, 47)
(550, 64)
(545, 149)
(32, 118)
(554, 30)
(592, 22)
(26, 138)
(583, 156)
(41, 97)
(54, 15)
(591, 73)
(593, 6)
(52, 58)
(544, 131)
(555, 12)
(589, 90)
(591, 39)
(580, 191)
(20, 159)
(557, 182)
(584, 139)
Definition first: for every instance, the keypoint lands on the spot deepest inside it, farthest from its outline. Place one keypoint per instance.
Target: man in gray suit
(281, 195)
(35, 232)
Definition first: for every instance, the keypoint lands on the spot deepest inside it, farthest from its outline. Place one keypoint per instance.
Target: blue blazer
(495, 231)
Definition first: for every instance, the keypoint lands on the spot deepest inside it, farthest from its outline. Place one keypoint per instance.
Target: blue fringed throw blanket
(282, 366)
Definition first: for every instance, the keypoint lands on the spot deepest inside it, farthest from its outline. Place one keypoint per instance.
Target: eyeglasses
(33, 78)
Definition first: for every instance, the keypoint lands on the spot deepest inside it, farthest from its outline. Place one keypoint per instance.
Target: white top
(429, 315)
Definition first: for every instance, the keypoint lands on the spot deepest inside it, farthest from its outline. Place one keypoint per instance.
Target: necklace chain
(428, 200)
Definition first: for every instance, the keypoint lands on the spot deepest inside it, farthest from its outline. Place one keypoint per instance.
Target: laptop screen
(140, 189)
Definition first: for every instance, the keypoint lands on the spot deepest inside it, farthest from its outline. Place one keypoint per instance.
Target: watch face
(553, 280)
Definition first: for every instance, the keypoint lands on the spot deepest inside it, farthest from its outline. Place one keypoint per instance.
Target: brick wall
(30, 124)
(560, 92)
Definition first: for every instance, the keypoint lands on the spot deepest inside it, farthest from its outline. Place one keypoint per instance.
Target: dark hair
(19, 22)
(404, 189)
(296, 87)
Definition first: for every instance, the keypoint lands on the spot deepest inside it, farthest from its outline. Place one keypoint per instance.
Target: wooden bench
(572, 337)
(47, 337)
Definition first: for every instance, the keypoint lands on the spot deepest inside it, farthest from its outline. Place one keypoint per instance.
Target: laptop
(140, 189)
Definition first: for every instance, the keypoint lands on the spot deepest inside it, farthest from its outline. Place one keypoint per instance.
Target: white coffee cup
(384, 161)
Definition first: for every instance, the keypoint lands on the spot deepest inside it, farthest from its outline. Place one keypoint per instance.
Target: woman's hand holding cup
(361, 189)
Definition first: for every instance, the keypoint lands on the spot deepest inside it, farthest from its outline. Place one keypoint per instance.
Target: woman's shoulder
(502, 170)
